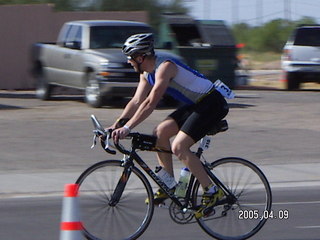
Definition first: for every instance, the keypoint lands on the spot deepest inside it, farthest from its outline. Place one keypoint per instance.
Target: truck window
(73, 37)
(113, 36)
(63, 33)
(307, 37)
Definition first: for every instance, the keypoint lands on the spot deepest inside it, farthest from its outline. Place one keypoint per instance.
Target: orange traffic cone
(71, 226)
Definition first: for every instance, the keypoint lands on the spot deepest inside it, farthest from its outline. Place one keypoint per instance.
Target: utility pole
(207, 9)
(287, 9)
(259, 12)
(235, 11)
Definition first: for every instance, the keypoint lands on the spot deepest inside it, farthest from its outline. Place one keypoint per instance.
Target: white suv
(301, 57)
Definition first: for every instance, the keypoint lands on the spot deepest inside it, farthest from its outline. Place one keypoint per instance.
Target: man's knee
(165, 131)
(179, 150)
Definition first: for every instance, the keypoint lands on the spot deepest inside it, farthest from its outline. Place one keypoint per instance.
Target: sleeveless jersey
(188, 86)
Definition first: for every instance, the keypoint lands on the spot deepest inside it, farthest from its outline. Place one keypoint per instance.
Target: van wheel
(43, 88)
(92, 92)
(293, 82)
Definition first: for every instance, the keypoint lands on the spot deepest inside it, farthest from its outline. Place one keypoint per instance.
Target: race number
(223, 89)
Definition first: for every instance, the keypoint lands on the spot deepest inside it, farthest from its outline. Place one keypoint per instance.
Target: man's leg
(164, 131)
(181, 148)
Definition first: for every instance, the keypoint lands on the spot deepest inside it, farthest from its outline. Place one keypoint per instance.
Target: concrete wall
(23, 25)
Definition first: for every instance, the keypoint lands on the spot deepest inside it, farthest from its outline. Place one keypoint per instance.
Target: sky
(253, 12)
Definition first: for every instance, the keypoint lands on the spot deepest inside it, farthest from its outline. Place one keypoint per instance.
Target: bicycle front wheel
(247, 202)
(109, 213)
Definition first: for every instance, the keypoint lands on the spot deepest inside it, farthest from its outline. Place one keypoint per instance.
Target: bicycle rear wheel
(243, 216)
(128, 216)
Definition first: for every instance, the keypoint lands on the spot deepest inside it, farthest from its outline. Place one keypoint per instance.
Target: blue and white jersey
(188, 86)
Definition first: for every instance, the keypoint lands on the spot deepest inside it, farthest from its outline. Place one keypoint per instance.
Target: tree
(268, 37)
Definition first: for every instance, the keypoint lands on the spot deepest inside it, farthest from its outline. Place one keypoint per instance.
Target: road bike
(112, 193)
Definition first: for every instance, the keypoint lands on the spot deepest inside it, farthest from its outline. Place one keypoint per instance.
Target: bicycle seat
(221, 126)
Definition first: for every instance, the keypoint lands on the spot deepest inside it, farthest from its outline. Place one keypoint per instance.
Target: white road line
(283, 203)
(295, 203)
(308, 227)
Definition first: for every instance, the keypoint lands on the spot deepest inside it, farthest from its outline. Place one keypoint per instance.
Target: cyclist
(204, 106)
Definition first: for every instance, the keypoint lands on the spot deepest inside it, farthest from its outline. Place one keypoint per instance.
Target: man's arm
(165, 73)
(140, 95)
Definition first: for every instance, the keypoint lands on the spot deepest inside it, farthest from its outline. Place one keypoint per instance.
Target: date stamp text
(254, 214)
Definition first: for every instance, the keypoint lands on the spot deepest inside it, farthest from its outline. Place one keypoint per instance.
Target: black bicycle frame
(133, 156)
(121, 185)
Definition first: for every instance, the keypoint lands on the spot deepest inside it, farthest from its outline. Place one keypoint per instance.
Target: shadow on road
(10, 107)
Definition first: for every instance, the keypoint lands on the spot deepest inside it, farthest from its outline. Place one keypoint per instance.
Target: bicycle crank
(180, 215)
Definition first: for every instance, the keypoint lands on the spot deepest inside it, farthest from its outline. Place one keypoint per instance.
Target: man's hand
(120, 133)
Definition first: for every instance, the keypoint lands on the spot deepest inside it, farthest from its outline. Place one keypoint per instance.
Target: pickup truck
(87, 55)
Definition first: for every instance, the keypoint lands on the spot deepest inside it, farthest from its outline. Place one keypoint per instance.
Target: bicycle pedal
(208, 211)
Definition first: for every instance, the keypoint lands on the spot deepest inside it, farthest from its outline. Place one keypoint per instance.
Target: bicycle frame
(129, 163)
(131, 156)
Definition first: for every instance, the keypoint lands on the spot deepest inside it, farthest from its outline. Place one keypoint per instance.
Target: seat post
(203, 145)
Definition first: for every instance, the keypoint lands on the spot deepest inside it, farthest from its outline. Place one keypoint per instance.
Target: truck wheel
(292, 81)
(43, 88)
(92, 93)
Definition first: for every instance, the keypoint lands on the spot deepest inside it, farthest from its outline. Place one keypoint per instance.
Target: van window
(307, 37)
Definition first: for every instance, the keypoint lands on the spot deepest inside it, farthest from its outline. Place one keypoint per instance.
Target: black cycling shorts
(197, 119)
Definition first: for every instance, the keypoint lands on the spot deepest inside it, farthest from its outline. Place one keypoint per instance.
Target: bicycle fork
(120, 186)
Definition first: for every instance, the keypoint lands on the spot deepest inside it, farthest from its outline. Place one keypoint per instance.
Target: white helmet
(139, 44)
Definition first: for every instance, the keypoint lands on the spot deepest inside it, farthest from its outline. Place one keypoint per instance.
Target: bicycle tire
(129, 218)
(247, 215)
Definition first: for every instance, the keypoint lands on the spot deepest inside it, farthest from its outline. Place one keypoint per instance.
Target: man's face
(135, 62)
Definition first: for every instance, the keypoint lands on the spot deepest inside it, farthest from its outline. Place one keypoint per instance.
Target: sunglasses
(133, 57)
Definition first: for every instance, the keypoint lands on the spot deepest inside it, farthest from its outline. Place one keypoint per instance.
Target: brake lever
(106, 135)
(107, 140)
(106, 148)
(97, 133)
(94, 141)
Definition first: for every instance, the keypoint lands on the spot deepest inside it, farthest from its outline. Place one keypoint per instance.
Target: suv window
(307, 37)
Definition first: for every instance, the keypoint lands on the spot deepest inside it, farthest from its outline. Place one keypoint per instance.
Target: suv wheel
(292, 81)
(92, 92)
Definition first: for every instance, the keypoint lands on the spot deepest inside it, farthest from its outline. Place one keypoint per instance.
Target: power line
(259, 13)
(261, 17)
(307, 4)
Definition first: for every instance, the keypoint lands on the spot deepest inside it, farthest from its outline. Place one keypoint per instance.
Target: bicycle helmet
(139, 44)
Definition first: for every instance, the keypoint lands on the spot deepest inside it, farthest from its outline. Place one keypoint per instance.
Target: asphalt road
(39, 218)
(45, 145)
